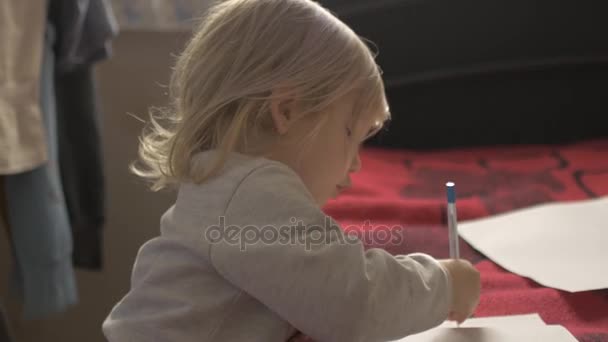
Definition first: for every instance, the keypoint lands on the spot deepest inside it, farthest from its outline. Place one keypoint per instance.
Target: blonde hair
(240, 58)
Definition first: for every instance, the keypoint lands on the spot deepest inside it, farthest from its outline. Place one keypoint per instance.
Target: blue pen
(452, 220)
(452, 223)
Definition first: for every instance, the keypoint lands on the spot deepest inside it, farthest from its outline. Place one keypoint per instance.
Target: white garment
(22, 135)
(188, 286)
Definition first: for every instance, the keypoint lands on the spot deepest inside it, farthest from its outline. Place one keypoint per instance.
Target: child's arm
(330, 290)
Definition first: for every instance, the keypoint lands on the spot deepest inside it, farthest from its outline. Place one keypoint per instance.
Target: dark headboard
(487, 72)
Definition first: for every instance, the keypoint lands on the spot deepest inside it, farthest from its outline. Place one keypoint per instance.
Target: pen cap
(451, 191)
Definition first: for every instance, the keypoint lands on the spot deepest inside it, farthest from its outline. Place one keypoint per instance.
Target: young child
(272, 101)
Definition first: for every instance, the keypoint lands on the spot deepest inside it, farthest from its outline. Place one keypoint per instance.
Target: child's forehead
(372, 120)
(363, 108)
(369, 123)
(374, 114)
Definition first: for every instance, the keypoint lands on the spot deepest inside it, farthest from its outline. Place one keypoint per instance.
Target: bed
(404, 189)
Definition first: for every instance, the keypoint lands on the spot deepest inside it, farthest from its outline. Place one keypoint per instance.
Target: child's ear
(282, 113)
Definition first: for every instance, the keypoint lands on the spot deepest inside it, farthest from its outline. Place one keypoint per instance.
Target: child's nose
(355, 165)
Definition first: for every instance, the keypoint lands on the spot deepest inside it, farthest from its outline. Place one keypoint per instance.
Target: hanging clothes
(43, 275)
(22, 137)
(5, 329)
(45, 220)
(84, 31)
(81, 163)
(6, 335)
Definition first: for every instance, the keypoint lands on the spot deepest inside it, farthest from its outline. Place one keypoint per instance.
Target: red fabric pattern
(398, 203)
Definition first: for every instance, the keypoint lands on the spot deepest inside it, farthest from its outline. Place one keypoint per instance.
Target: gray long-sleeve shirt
(249, 256)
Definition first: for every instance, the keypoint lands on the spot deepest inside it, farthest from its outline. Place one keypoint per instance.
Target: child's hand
(299, 337)
(466, 286)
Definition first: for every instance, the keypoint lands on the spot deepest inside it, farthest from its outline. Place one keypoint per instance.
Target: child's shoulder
(248, 179)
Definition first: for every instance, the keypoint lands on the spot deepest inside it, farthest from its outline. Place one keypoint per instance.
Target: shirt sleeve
(280, 248)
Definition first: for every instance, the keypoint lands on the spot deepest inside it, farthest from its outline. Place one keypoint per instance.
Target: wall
(128, 83)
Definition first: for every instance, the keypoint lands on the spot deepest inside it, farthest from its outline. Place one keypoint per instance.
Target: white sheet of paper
(474, 329)
(559, 245)
(553, 333)
(517, 321)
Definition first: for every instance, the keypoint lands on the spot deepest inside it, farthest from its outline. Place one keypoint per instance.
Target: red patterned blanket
(398, 203)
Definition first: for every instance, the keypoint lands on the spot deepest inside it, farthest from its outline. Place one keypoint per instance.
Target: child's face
(328, 160)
